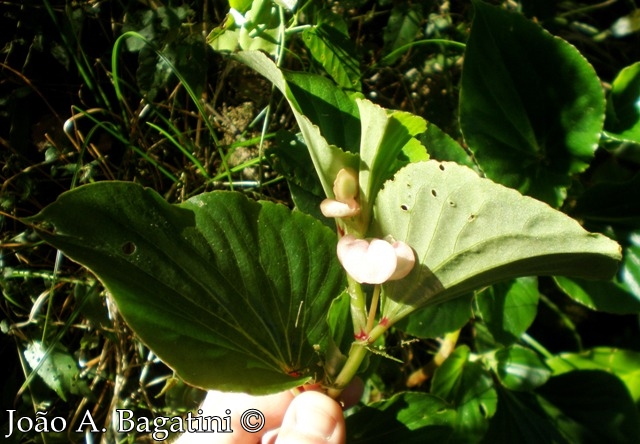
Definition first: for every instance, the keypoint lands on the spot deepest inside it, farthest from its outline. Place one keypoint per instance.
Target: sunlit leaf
(57, 369)
(623, 110)
(520, 369)
(336, 53)
(468, 232)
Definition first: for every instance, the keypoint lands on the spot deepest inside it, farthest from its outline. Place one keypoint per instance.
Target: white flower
(375, 261)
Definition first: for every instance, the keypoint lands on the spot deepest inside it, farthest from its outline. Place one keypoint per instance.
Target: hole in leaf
(472, 217)
(452, 204)
(434, 193)
(403, 207)
(128, 248)
(441, 166)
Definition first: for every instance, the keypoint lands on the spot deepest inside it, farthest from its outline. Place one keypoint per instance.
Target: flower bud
(345, 187)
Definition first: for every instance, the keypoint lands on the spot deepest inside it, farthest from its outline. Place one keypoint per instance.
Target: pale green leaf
(468, 232)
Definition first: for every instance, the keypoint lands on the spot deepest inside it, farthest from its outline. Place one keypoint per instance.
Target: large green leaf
(468, 232)
(232, 294)
(531, 107)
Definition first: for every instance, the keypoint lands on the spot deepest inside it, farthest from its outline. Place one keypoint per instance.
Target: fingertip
(313, 418)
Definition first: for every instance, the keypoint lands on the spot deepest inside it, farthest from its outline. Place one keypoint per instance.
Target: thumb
(312, 418)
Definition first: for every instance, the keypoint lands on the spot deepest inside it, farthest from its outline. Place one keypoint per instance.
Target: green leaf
(406, 418)
(509, 308)
(384, 135)
(252, 29)
(615, 203)
(403, 28)
(336, 53)
(230, 293)
(327, 106)
(326, 116)
(442, 147)
(290, 158)
(531, 107)
(468, 232)
(57, 368)
(468, 387)
(519, 418)
(623, 114)
(608, 296)
(591, 406)
(625, 364)
(520, 369)
(437, 320)
(620, 295)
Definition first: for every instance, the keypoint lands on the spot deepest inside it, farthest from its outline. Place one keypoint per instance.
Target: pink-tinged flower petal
(333, 208)
(367, 262)
(345, 187)
(406, 260)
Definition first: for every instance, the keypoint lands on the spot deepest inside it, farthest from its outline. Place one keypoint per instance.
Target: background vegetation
(64, 124)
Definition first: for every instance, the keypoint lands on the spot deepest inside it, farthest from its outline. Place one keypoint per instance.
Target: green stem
(356, 355)
(373, 308)
(358, 307)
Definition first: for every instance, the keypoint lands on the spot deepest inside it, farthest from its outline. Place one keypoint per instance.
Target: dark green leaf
(232, 294)
(625, 364)
(614, 203)
(328, 107)
(591, 406)
(403, 28)
(509, 308)
(520, 419)
(406, 418)
(468, 387)
(531, 107)
(438, 320)
(336, 53)
(623, 115)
